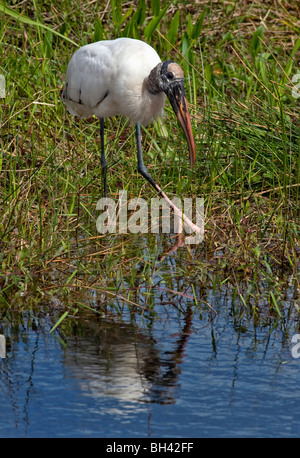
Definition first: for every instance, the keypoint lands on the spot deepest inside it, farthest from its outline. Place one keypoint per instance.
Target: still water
(183, 376)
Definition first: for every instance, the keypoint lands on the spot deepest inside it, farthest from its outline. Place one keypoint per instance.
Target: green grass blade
(172, 35)
(275, 304)
(64, 315)
(149, 29)
(197, 28)
(26, 20)
(155, 5)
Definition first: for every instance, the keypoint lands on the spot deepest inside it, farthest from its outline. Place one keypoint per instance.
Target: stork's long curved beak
(176, 95)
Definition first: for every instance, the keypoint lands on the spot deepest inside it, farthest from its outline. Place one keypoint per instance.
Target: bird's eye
(170, 75)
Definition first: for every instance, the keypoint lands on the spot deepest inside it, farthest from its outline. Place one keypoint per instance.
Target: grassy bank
(240, 59)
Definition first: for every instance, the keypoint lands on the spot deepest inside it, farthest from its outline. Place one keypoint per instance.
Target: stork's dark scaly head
(170, 72)
(168, 77)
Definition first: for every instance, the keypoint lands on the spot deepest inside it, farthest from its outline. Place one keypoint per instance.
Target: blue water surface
(182, 377)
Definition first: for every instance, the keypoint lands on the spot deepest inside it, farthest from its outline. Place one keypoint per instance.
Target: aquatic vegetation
(241, 82)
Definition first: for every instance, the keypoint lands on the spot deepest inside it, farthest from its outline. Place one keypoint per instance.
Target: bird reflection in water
(110, 360)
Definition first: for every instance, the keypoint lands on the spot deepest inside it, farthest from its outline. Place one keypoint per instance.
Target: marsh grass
(239, 60)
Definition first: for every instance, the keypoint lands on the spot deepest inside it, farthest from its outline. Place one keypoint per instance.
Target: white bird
(126, 77)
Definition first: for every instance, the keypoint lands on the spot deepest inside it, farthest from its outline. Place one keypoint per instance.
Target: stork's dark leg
(142, 169)
(102, 158)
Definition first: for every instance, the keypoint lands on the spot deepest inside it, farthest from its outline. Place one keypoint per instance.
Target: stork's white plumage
(108, 78)
(126, 77)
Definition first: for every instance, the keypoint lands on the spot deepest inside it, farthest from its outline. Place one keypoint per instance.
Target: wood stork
(126, 77)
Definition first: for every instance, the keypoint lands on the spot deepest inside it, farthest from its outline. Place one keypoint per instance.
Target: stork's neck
(153, 80)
